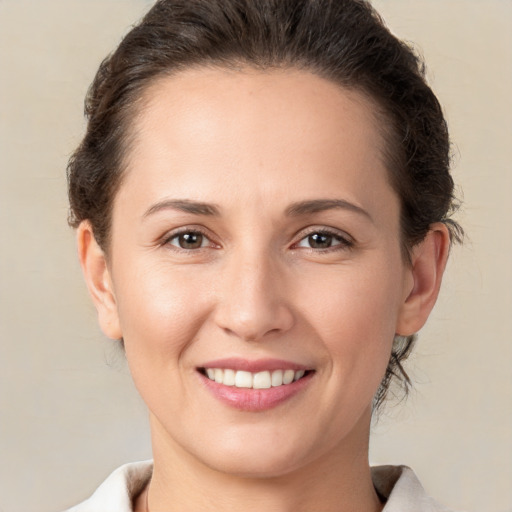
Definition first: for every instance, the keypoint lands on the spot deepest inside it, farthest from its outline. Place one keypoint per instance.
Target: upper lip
(258, 365)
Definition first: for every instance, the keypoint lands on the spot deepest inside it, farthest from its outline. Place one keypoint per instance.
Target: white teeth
(243, 379)
(288, 376)
(229, 378)
(298, 375)
(277, 378)
(219, 375)
(259, 380)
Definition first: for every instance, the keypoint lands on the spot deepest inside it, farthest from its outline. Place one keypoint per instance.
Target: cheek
(160, 311)
(353, 313)
(160, 314)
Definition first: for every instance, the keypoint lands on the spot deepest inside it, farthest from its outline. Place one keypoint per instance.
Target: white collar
(398, 484)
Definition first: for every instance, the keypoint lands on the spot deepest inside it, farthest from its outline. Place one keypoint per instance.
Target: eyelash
(344, 242)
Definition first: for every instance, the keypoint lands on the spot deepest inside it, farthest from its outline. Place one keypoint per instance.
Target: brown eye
(320, 241)
(189, 240)
(324, 240)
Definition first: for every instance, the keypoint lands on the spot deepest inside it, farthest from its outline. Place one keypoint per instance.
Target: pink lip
(259, 365)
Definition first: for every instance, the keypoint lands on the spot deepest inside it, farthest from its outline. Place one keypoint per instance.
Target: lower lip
(255, 400)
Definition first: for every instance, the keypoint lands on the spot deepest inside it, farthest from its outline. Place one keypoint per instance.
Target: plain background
(68, 411)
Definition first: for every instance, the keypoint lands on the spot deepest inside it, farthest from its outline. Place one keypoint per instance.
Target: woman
(262, 203)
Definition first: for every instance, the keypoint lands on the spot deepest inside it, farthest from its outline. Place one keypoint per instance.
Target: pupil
(191, 240)
(320, 241)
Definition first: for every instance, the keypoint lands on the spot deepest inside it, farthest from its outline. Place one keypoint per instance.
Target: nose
(252, 303)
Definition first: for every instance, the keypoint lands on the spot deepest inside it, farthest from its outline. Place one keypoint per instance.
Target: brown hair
(344, 41)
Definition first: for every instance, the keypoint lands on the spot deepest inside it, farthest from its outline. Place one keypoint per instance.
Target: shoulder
(402, 490)
(117, 492)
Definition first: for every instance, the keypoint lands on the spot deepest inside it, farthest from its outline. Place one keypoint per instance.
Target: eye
(324, 240)
(189, 240)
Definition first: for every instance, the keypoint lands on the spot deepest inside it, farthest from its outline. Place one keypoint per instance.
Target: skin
(252, 145)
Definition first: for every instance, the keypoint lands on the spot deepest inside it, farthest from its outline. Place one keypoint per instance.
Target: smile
(250, 380)
(254, 386)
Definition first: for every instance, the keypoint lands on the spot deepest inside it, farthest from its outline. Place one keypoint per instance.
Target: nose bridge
(253, 303)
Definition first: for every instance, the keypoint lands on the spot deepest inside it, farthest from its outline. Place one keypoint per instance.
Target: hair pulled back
(344, 41)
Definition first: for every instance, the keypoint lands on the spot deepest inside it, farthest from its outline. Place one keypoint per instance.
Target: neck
(338, 481)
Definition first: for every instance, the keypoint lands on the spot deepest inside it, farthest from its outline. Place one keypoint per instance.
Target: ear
(427, 267)
(98, 280)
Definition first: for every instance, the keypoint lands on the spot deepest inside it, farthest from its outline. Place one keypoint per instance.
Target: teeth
(288, 376)
(229, 378)
(243, 379)
(277, 378)
(298, 375)
(259, 380)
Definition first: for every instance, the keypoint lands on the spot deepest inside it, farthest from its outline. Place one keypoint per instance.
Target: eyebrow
(320, 205)
(183, 205)
(295, 209)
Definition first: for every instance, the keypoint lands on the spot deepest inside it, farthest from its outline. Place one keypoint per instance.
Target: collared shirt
(397, 484)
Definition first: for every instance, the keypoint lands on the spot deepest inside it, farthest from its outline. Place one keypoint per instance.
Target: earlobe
(427, 267)
(98, 280)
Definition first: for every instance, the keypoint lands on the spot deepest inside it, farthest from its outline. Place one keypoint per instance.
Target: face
(255, 238)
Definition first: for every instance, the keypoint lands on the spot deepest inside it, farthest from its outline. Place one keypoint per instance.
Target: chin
(261, 465)
(256, 455)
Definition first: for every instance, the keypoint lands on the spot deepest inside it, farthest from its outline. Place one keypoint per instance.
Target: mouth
(254, 386)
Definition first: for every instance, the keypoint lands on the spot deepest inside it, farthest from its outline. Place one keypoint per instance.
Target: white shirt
(398, 484)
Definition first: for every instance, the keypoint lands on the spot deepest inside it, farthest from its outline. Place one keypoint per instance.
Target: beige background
(68, 411)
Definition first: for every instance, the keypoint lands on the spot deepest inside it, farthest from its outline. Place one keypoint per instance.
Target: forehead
(249, 96)
(207, 128)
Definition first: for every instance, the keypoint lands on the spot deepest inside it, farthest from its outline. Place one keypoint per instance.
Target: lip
(258, 365)
(255, 400)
